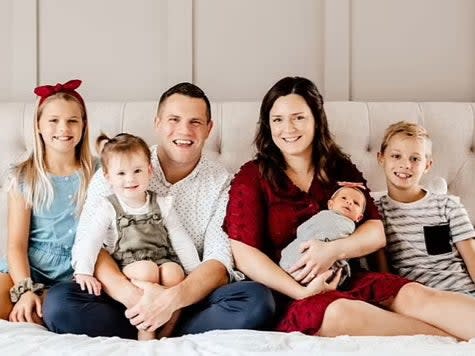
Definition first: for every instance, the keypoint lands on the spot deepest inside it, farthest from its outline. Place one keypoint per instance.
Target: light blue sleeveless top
(52, 233)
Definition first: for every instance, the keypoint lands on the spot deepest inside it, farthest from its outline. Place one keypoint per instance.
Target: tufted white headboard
(358, 127)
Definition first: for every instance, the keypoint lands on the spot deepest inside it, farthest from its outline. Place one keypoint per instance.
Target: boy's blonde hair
(409, 129)
(37, 189)
(122, 143)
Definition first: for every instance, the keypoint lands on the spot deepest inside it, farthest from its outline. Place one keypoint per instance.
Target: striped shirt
(421, 239)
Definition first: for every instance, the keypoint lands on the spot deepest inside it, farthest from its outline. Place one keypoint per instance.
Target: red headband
(70, 87)
(358, 185)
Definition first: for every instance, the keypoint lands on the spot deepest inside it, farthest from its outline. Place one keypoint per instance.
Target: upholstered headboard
(357, 126)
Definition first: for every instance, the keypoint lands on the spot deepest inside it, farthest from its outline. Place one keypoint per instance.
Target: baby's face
(129, 175)
(349, 202)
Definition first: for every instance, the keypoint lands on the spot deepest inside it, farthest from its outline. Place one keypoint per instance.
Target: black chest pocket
(437, 239)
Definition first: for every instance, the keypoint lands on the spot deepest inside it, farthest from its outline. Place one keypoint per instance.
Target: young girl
(430, 236)
(45, 197)
(297, 168)
(140, 230)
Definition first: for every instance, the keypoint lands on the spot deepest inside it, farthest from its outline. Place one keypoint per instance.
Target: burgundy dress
(266, 219)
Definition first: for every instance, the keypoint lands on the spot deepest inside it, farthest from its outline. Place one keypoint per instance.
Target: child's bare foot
(146, 335)
(167, 329)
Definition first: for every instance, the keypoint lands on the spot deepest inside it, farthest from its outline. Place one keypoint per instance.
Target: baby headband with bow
(353, 185)
(358, 185)
(70, 87)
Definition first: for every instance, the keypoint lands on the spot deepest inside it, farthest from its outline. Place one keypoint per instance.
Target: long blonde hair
(36, 186)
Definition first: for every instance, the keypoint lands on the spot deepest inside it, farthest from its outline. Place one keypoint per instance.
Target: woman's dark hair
(325, 152)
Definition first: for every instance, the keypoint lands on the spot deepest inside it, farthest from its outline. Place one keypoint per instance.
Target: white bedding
(27, 339)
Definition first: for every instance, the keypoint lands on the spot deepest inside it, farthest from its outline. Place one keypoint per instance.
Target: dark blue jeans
(238, 305)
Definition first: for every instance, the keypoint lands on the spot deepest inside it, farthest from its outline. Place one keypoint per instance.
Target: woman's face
(292, 126)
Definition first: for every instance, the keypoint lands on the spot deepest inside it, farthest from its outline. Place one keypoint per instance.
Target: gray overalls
(141, 237)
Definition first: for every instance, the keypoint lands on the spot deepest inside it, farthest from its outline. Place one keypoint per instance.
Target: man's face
(182, 127)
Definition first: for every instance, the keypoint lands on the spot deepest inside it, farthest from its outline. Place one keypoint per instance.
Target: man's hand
(90, 283)
(154, 308)
(317, 257)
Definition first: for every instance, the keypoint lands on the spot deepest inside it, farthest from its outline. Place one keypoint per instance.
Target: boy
(430, 237)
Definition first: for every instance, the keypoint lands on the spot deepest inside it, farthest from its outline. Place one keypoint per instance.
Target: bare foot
(146, 335)
(167, 329)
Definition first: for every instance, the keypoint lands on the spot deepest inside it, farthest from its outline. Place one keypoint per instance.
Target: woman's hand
(27, 309)
(317, 257)
(320, 285)
(90, 283)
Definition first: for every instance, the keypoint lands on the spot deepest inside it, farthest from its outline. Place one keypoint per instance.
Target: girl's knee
(5, 303)
(6, 306)
(5, 311)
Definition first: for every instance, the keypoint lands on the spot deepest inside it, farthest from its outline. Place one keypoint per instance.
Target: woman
(297, 167)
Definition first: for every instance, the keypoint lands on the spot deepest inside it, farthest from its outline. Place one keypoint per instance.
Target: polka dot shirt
(200, 200)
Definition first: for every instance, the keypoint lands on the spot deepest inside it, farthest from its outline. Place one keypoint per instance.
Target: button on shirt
(200, 201)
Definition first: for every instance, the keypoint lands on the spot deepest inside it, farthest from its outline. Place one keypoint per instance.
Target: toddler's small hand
(90, 283)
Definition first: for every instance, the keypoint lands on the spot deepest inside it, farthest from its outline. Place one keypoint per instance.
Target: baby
(345, 208)
(141, 230)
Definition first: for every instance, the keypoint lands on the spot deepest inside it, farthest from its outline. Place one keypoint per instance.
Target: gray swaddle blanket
(327, 225)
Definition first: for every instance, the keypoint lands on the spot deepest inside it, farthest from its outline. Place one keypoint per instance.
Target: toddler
(140, 230)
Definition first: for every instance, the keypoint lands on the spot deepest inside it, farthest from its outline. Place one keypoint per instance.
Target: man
(200, 190)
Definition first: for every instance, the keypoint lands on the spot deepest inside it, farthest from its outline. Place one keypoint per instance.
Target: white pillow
(437, 185)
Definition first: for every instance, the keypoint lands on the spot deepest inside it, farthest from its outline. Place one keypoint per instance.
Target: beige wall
(131, 50)
(242, 47)
(413, 50)
(18, 49)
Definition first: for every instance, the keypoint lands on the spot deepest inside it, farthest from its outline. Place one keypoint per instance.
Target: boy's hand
(90, 283)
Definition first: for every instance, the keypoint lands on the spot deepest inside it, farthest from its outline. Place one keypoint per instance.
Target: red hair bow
(70, 87)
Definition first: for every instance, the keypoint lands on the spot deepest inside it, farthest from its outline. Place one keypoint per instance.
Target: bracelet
(24, 286)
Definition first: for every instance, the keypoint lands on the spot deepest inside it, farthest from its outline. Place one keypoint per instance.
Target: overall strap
(154, 207)
(116, 205)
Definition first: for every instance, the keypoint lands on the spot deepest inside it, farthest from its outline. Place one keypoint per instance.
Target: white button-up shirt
(200, 201)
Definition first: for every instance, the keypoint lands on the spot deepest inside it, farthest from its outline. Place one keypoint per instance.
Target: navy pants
(238, 305)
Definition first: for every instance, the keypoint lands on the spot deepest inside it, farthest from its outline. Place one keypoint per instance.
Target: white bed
(27, 339)
(358, 128)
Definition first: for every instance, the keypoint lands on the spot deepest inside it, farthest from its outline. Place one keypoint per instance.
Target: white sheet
(27, 339)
